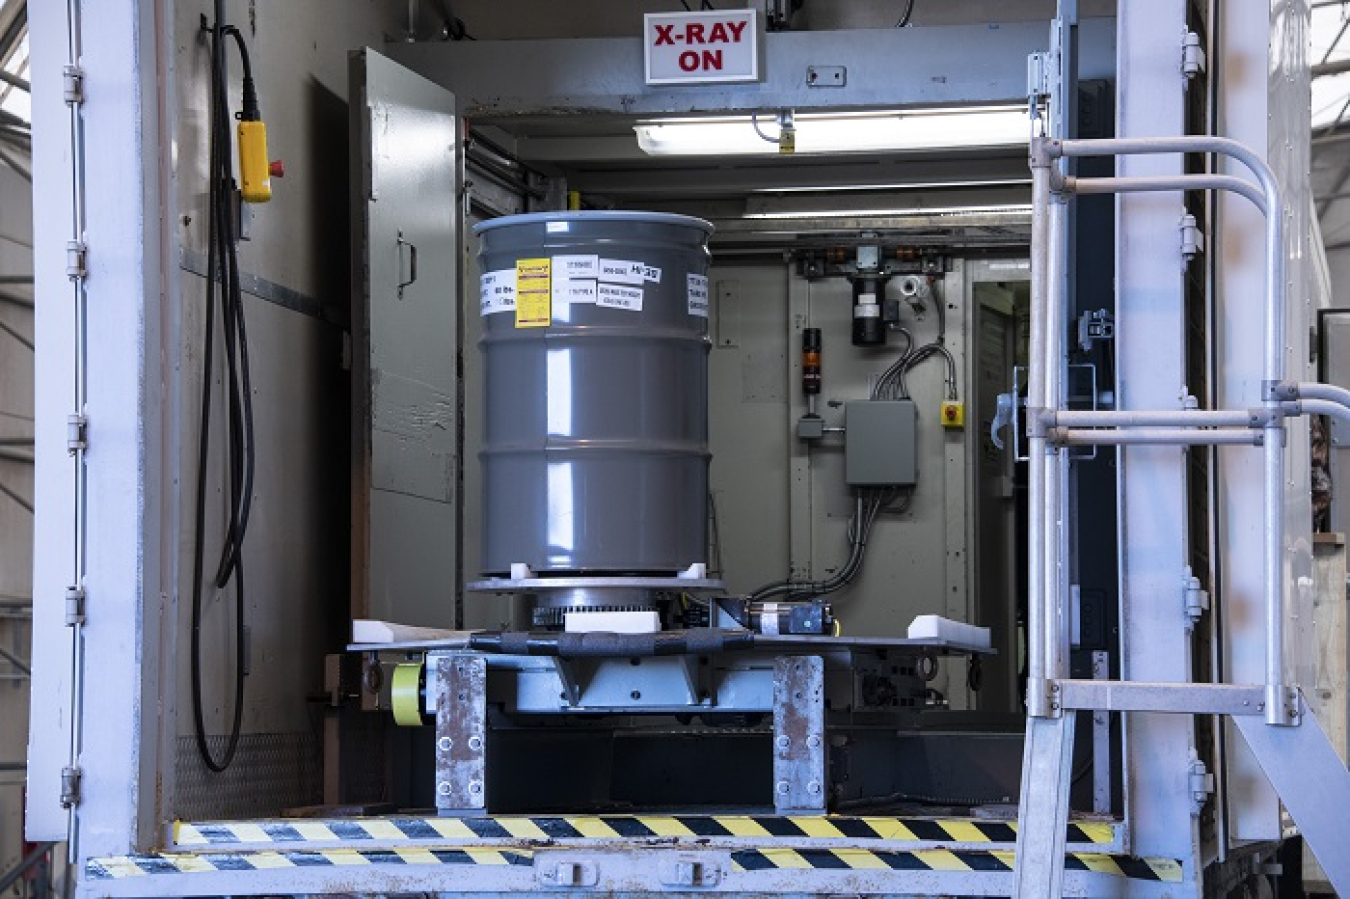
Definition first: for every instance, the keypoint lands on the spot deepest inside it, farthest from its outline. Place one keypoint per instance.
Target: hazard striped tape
(746, 861)
(431, 829)
(124, 866)
(980, 861)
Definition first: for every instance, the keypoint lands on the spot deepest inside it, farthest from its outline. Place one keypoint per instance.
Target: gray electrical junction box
(879, 443)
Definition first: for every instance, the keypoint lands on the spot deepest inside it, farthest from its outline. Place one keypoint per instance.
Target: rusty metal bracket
(799, 746)
(461, 733)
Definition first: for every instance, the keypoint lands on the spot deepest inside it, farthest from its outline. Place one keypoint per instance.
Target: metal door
(406, 397)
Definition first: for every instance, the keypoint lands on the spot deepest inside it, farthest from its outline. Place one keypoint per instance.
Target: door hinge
(1201, 785)
(70, 786)
(77, 433)
(72, 82)
(76, 258)
(74, 606)
(1196, 600)
(1192, 55)
(1192, 240)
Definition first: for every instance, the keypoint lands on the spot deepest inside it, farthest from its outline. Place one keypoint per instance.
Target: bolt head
(783, 787)
(475, 743)
(443, 788)
(813, 741)
(784, 742)
(444, 744)
(813, 787)
(475, 787)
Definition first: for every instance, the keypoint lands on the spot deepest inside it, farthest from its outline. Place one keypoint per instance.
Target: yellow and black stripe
(981, 861)
(124, 866)
(746, 861)
(420, 829)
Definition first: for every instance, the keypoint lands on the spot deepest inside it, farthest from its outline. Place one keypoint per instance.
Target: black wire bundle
(223, 265)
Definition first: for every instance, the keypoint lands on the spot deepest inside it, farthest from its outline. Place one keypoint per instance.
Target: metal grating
(270, 772)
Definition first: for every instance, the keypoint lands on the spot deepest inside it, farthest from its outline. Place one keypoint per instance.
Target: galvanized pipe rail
(1051, 427)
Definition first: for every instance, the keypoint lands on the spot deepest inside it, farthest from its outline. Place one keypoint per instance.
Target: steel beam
(1184, 699)
(886, 68)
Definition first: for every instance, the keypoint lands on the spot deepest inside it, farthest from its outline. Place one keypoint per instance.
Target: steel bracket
(1265, 416)
(826, 76)
(1283, 706)
(1279, 391)
(1044, 698)
(1043, 151)
(1038, 77)
(799, 765)
(77, 433)
(72, 85)
(1040, 422)
(77, 255)
(461, 733)
(74, 606)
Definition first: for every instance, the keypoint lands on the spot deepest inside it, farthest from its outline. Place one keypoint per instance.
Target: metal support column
(799, 773)
(461, 733)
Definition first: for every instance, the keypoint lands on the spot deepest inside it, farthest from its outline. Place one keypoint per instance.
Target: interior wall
(295, 267)
(16, 521)
(783, 505)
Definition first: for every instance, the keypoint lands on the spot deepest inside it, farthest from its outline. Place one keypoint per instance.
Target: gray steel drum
(595, 454)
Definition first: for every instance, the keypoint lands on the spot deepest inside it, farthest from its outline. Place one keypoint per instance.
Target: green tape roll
(405, 693)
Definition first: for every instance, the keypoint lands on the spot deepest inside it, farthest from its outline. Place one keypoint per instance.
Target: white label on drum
(617, 297)
(621, 271)
(573, 291)
(497, 291)
(576, 267)
(698, 294)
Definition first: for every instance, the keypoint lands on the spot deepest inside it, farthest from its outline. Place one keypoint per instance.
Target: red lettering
(663, 34)
(719, 34)
(693, 33)
(688, 61)
(736, 29)
(712, 60)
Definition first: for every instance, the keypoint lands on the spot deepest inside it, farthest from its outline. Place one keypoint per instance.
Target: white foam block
(644, 622)
(935, 627)
(371, 631)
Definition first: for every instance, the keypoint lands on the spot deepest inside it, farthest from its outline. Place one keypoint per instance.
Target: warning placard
(534, 293)
(704, 47)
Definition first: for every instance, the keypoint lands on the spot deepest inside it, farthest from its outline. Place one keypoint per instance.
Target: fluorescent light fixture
(852, 132)
(895, 212)
(893, 185)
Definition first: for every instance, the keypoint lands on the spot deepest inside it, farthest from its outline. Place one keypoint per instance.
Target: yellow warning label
(534, 293)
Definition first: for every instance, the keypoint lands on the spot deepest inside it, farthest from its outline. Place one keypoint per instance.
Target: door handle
(412, 263)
